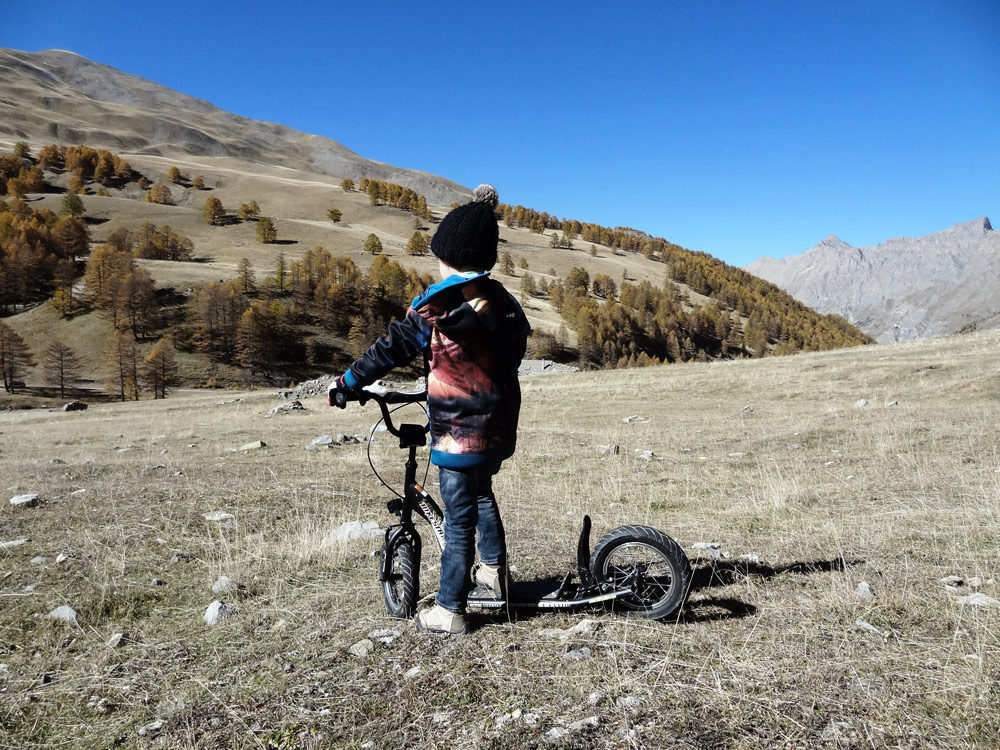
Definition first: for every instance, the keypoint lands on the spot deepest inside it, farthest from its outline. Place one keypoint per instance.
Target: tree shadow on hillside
(94, 220)
(284, 242)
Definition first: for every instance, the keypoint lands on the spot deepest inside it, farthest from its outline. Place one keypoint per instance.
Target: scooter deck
(542, 595)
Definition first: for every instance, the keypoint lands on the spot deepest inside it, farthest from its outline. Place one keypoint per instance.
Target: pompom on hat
(467, 237)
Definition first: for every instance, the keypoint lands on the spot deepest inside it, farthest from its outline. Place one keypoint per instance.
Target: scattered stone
(362, 648)
(977, 583)
(343, 439)
(546, 456)
(737, 454)
(151, 729)
(595, 697)
(218, 611)
(117, 640)
(322, 440)
(28, 500)
(256, 445)
(644, 455)
(864, 592)
(384, 635)
(74, 406)
(634, 419)
(794, 446)
(351, 530)
(579, 654)
(280, 626)
(226, 585)
(61, 558)
(225, 520)
(868, 627)
(860, 403)
(893, 403)
(101, 705)
(122, 450)
(607, 450)
(12, 544)
(37, 560)
(837, 732)
(629, 701)
(978, 599)
(57, 461)
(412, 672)
(286, 408)
(582, 629)
(65, 613)
(750, 559)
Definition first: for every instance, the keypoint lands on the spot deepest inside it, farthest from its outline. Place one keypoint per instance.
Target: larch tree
(72, 236)
(72, 205)
(335, 215)
(198, 183)
(248, 211)
(174, 175)
(121, 360)
(506, 264)
(60, 366)
(15, 356)
(347, 185)
(213, 212)
(159, 194)
(159, 368)
(373, 244)
(417, 245)
(246, 280)
(281, 272)
(266, 231)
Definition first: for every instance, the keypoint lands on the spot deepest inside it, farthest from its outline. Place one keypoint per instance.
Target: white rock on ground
(12, 544)
(65, 613)
(384, 635)
(977, 600)
(864, 592)
(635, 418)
(150, 729)
(217, 612)
(351, 530)
(27, 500)
(362, 648)
(225, 585)
(225, 520)
(608, 450)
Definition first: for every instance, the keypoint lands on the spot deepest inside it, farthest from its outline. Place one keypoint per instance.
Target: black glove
(339, 394)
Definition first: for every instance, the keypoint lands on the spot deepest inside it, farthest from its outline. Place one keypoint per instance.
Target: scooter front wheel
(401, 577)
(648, 562)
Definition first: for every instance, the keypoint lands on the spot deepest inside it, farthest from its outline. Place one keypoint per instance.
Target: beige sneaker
(495, 578)
(439, 621)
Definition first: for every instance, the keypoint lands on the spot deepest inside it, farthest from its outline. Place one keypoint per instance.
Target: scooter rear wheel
(401, 588)
(650, 563)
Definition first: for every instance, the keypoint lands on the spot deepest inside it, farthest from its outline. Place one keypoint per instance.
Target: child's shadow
(712, 574)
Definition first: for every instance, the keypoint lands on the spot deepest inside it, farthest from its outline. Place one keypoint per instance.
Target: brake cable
(371, 463)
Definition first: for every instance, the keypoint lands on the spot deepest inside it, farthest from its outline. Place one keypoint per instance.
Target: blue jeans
(469, 505)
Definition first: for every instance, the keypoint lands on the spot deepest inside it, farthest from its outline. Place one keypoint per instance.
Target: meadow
(808, 493)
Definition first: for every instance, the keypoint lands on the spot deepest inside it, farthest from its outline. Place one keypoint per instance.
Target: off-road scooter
(635, 570)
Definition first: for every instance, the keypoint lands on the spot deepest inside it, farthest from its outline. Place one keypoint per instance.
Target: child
(473, 333)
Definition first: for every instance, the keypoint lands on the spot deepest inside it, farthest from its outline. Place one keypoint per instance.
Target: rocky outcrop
(902, 289)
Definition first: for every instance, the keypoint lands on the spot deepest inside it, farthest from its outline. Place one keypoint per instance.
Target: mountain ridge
(903, 288)
(74, 99)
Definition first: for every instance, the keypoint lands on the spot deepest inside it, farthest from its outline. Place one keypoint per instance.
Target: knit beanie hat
(467, 237)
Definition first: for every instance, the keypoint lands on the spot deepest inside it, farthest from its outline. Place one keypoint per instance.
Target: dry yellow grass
(769, 653)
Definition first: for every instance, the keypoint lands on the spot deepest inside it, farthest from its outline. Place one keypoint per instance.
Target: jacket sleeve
(405, 340)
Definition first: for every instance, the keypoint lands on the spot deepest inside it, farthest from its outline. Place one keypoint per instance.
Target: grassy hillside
(752, 316)
(807, 494)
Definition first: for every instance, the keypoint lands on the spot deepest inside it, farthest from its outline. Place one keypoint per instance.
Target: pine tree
(281, 272)
(246, 281)
(60, 366)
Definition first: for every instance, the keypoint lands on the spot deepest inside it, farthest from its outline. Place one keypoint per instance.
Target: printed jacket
(474, 334)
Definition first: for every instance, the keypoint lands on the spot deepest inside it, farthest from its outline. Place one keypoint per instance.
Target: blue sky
(737, 128)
